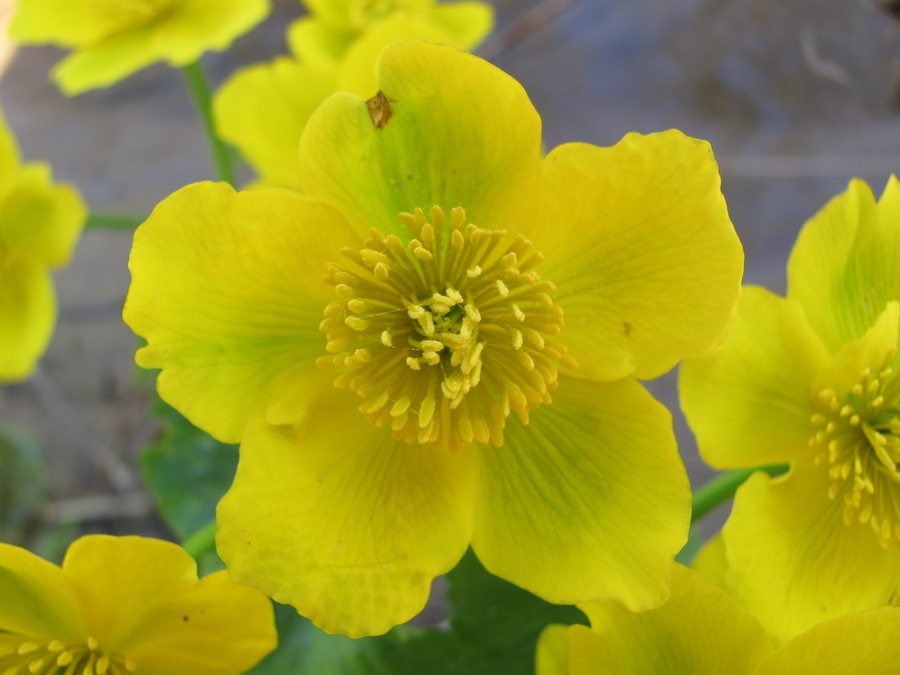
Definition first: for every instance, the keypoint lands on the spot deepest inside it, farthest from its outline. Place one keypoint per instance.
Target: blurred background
(795, 97)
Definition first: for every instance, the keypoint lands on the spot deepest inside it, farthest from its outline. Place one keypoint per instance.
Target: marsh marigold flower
(701, 630)
(122, 605)
(111, 39)
(427, 395)
(810, 380)
(40, 222)
(263, 109)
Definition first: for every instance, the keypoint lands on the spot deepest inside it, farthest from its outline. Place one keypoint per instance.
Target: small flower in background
(810, 380)
(40, 223)
(7, 45)
(701, 630)
(123, 605)
(263, 109)
(465, 279)
(111, 39)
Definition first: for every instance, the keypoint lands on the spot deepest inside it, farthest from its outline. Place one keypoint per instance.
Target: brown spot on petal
(379, 109)
(627, 328)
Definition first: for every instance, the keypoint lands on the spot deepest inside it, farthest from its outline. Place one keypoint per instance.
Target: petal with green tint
(638, 240)
(468, 22)
(263, 109)
(27, 315)
(843, 268)
(791, 560)
(460, 133)
(73, 24)
(144, 601)
(855, 644)
(340, 520)
(552, 656)
(710, 562)
(589, 500)
(227, 290)
(357, 70)
(40, 220)
(748, 402)
(698, 630)
(36, 598)
(315, 44)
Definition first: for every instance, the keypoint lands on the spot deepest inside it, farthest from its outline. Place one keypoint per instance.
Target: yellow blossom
(39, 225)
(263, 109)
(123, 605)
(111, 39)
(809, 380)
(465, 374)
(701, 630)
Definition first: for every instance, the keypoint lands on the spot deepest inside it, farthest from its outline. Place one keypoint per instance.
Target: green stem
(200, 543)
(113, 221)
(709, 496)
(199, 89)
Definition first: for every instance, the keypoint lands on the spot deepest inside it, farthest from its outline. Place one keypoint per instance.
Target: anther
(65, 658)
(28, 647)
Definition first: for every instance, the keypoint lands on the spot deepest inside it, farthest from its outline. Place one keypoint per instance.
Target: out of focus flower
(810, 379)
(701, 630)
(111, 39)
(127, 605)
(7, 45)
(39, 225)
(263, 109)
(461, 253)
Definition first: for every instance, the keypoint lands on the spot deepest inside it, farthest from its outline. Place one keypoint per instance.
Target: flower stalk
(199, 88)
(715, 492)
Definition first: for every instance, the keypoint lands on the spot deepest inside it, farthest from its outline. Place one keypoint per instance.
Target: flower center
(445, 336)
(860, 439)
(21, 656)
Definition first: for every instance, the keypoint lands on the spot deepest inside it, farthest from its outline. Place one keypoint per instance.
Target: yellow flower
(126, 605)
(263, 109)
(808, 379)
(39, 225)
(451, 253)
(701, 630)
(112, 39)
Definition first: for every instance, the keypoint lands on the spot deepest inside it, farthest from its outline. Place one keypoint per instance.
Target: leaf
(24, 486)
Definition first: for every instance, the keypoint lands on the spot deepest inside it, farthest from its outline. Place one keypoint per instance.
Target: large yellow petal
(843, 268)
(460, 133)
(468, 22)
(27, 316)
(698, 630)
(552, 657)
(340, 520)
(227, 290)
(856, 644)
(315, 44)
(73, 24)
(353, 16)
(145, 602)
(748, 402)
(791, 560)
(589, 500)
(710, 562)
(36, 598)
(638, 240)
(263, 110)
(40, 220)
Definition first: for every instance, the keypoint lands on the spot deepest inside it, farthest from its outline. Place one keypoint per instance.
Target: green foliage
(23, 486)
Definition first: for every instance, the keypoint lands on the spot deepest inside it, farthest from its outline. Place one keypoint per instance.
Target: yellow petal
(227, 290)
(27, 316)
(145, 602)
(342, 521)
(460, 133)
(263, 109)
(352, 16)
(843, 266)
(468, 22)
(638, 240)
(710, 562)
(856, 644)
(315, 44)
(552, 656)
(9, 155)
(748, 402)
(791, 560)
(698, 630)
(36, 599)
(589, 500)
(40, 220)
(72, 24)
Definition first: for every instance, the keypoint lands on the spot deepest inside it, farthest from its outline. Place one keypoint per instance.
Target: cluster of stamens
(24, 656)
(859, 438)
(446, 335)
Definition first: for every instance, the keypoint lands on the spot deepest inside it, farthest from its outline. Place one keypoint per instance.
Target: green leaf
(24, 486)
(188, 471)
